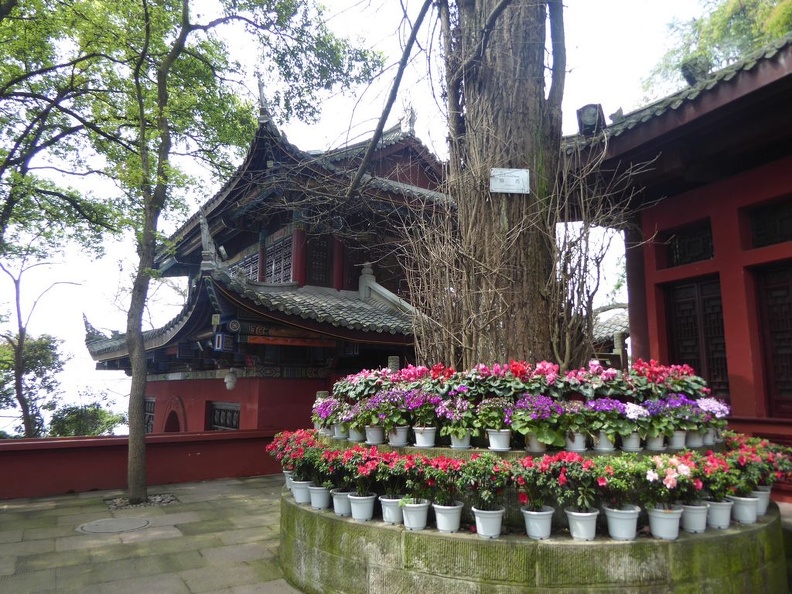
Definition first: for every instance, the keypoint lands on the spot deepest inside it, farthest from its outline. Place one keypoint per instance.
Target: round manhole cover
(113, 525)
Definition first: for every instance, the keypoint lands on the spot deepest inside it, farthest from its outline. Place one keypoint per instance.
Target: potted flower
(717, 477)
(422, 408)
(684, 416)
(634, 426)
(617, 485)
(494, 416)
(545, 379)
(322, 411)
(391, 475)
(456, 415)
(392, 414)
(715, 413)
(659, 424)
(415, 503)
(534, 493)
(574, 424)
(538, 418)
(363, 384)
(606, 419)
(574, 481)
(664, 479)
(691, 493)
(443, 478)
(486, 476)
(361, 463)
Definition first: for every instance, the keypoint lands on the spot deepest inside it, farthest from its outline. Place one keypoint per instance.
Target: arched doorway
(172, 423)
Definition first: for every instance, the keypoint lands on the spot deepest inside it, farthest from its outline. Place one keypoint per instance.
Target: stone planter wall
(323, 553)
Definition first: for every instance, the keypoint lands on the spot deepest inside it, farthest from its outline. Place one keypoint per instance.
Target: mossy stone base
(323, 553)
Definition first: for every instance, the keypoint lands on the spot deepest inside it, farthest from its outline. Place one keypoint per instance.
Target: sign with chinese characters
(509, 181)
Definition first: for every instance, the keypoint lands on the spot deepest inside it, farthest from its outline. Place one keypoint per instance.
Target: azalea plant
(456, 414)
(416, 478)
(576, 481)
(717, 476)
(617, 479)
(494, 413)
(361, 464)
(443, 475)
(665, 478)
(535, 484)
(288, 448)
(391, 474)
(539, 415)
(486, 477)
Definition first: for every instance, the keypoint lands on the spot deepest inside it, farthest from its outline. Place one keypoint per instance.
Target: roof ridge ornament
(264, 109)
(208, 251)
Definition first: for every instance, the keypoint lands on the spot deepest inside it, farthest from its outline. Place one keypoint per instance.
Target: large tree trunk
(501, 116)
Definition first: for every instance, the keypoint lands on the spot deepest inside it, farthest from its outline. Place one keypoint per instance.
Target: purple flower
(606, 405)
(539, 407)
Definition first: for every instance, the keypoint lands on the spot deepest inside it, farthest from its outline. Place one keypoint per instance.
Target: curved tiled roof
(343, 309)
(683, 97)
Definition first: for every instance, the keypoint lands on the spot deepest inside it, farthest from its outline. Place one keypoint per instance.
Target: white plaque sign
(509, 181)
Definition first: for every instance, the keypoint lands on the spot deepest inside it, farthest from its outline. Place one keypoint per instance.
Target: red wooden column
(299, 261)
(636, 292)
(338, 264)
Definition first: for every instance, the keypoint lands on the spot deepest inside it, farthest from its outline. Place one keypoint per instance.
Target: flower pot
(694, 518)
(460, 443)
(397, 437)
(415, 514)
(762, 493)
(357, 435)
(677, 440)
(391, 510)
(582, 525)
(575, 442)
(533, 445)
(488, 522)
(424, 436)
(719, 514)
(448, 517)
(300, 491)
(362, 506)
(326, 432)
(631, 442)
(709, 437)
(538, 524)
(319, 496)
(623, 522)
(695, 439)
(664, 523)
(375, 435)
(341, 505)
(499, 439)
(602, 443)
(287, 474)
(339, 431)
(744, 510)
(655, 444)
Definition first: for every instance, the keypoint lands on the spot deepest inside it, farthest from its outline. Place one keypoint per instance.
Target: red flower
(522, 497)
(602, 481)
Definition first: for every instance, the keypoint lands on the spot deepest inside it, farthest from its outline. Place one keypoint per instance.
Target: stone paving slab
(222, 537)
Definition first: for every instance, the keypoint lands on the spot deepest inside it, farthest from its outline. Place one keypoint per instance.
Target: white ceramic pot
(357, 435)
(631, 442)
(582, 525)
(695, 439)
(533, 445)
(287, 474)
(397, 437)
(448, 517)
(538, 524)
(300, 491)
(694, 518)
(575, 442)
(499, 439)
(603, 443)
(488, 522)
(623, 522)
(677, 440)
(375, 435)
(664, 523)
(362, 506)
(719, 514)
(391, 510)
(655, 444)
(320, 497)
(762, 493)
(460, 443)
(415, 514)
(744, 510)
(341, 505)
(424, 436)
(709, 437)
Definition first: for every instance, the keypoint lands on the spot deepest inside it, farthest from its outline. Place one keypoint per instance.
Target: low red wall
(54, 466)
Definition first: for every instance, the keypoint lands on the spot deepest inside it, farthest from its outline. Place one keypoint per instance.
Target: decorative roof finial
(264, 114)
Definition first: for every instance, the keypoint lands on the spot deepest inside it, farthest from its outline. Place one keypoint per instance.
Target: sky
(611, 46)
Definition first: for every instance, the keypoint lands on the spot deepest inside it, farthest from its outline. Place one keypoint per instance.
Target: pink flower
(670, 481)
(651, 476)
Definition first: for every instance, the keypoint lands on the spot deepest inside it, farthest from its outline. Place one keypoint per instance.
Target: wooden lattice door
(695, 330)
(774, 287)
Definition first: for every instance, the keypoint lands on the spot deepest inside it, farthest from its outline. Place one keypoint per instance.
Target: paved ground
(222, 536)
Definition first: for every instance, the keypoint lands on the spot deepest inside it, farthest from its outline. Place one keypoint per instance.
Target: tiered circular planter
(321, 552)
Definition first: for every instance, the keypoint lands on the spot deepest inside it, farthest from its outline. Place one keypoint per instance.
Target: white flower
(651, 476)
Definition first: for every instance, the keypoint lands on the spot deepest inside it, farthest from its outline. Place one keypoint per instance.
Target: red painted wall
(54, 466)
(725, 204)
(270, 404)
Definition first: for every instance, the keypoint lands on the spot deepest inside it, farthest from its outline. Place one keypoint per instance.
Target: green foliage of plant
(485, 477)
(93, 418)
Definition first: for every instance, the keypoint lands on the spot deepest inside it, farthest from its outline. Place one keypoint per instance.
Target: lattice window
(775, 298)
(279, 261)
(771, 224)
(320, 260)
(148, 415)
(688, 245)
(247, 267)
(695, 320)
(223, 416)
